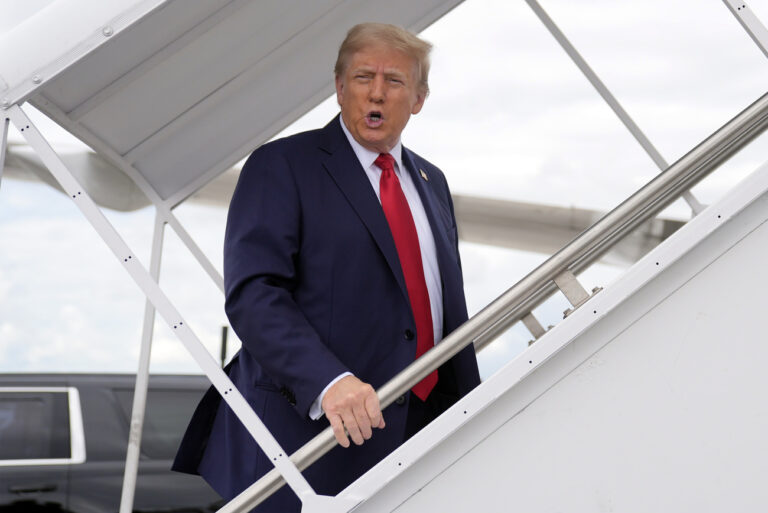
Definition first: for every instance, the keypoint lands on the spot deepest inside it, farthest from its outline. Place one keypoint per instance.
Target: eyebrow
(391, 72)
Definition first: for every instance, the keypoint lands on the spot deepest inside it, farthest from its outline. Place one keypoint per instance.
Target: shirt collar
(366, 156)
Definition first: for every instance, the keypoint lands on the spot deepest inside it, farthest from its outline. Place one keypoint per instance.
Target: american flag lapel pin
(423, 175)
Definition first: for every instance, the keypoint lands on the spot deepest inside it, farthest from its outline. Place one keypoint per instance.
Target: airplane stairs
(649, 397)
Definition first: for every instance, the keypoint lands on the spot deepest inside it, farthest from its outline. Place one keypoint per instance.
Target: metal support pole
(165, 210)
(142, 377)
(533, 325)
(192, 246)
(4, 122)
(612, 102)
(750, 22)
(571, 288)
(160, 301)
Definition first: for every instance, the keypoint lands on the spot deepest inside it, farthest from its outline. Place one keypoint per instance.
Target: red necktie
(407, 243)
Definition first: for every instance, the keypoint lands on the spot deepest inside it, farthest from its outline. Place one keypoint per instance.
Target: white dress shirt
(423, 230)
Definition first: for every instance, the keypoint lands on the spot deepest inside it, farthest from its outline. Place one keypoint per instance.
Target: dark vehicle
(63, 440)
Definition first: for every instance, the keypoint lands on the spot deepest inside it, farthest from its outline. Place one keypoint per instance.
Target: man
(341, 266)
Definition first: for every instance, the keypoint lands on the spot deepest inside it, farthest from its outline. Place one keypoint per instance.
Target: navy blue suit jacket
(314, 288)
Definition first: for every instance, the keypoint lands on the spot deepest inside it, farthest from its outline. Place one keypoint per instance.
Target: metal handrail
(520, 298)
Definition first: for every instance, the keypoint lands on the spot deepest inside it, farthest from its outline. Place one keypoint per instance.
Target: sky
(509, 116)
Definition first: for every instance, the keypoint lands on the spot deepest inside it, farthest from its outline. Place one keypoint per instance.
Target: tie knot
(385, 161)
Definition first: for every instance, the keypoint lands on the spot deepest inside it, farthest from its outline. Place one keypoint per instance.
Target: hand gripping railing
(519, 299)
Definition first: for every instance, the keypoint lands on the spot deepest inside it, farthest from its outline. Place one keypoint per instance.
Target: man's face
(378, 92)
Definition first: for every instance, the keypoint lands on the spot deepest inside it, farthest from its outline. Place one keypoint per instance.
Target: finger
(373, 408)
(363, 421)
(338, 430)
(352, 429)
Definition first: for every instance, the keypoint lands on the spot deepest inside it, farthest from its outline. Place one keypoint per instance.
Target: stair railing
(557, 272)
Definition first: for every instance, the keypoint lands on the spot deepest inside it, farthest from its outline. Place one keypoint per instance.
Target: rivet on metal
(36, 79)
(107, 31)
(6, 102)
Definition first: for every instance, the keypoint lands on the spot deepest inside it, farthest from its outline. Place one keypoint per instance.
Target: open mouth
(374, 118)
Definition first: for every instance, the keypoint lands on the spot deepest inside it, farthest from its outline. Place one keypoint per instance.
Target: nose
(377, 91)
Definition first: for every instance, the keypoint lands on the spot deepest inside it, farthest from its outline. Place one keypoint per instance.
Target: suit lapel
(454, 308)
(431, 206)
(350, 177)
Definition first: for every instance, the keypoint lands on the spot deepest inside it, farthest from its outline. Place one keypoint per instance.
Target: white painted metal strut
(611, 100)
(160, 301)
(142, 377)
(750, 22)
(4, 121)
(162, 207)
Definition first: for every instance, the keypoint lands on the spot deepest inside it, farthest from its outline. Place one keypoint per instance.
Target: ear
(339, 89)
(420, 97)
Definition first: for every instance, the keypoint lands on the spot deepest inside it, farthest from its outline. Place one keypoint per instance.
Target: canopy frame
(160, 302)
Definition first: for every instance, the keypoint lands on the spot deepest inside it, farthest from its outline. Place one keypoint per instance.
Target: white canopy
(180, 90)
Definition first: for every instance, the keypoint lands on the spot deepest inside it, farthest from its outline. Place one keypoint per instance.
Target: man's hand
(354, 405)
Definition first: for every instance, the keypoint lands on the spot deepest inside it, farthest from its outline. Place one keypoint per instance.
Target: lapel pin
(423, 175)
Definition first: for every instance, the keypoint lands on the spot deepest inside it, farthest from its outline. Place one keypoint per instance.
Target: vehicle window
(34, 425)
(168, 413)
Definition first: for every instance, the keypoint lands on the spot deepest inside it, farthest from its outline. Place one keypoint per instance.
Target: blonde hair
(370, 34)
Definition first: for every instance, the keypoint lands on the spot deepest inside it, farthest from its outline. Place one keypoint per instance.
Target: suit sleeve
(261, 248)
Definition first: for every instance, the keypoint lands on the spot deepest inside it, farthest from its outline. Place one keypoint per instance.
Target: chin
(381, 140)
(374, 144)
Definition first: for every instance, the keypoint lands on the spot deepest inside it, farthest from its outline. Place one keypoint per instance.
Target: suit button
(408, 335)
(400, 400)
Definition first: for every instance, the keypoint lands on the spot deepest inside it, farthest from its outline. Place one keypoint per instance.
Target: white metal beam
(162, 207)
(611, 100)
(229, 393)
(142, 377)
(750, 22)
(4, 122)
